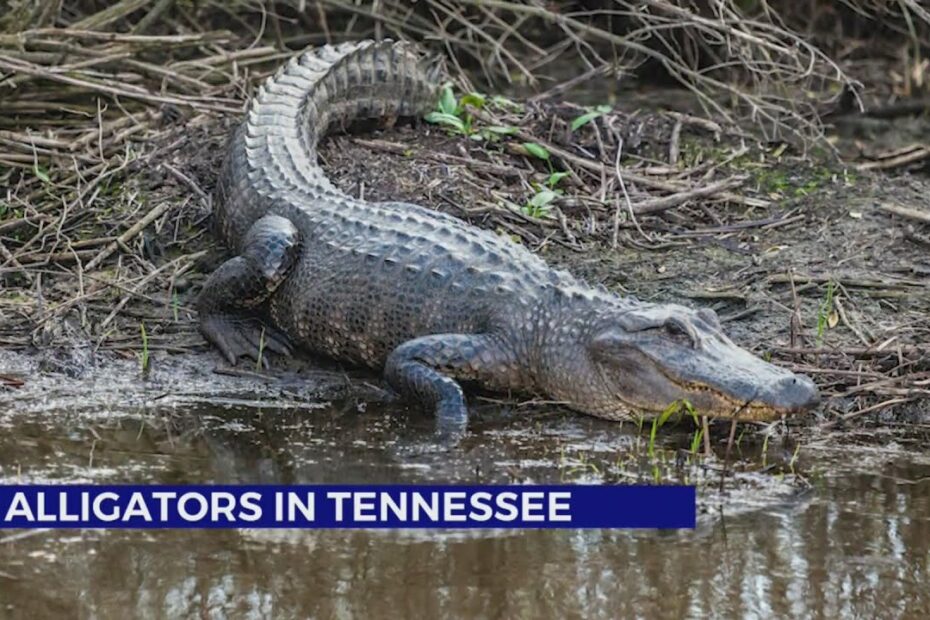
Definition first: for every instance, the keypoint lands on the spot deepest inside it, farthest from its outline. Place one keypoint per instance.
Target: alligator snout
(794, 393)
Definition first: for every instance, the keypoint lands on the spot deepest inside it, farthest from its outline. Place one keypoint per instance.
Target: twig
(135, 229)
(910, 213)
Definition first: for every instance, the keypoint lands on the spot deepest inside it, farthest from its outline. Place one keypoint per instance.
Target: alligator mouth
(786, 395)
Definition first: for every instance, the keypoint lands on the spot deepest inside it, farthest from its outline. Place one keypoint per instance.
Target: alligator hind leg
(234, 291)
(428, 369)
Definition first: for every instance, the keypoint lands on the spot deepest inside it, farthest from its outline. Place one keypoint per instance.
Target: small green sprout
(536, 150)
(589, 116)
(495, 132)
(696, 440)
(455, 114)
(539, 203)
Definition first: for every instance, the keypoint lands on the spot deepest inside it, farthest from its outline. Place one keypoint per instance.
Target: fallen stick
(674, 200)
(912, 214)
(910, 157)
(134, 230)
(215, 36)
(780, 278)
(855, 414)
(856, 351)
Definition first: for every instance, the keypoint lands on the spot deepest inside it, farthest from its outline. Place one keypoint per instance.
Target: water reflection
(857, 544)
(859, 549)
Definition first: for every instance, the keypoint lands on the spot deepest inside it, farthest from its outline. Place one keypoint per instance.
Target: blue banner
(346, 506)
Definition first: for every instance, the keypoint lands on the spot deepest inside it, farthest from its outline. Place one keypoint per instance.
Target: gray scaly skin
(428, 298)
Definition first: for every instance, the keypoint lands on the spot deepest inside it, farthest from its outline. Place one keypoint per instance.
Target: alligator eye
(681, 333)
(676, 333)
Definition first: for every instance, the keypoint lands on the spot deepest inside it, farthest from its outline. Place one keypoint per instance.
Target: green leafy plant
(589, 116)
(476, 100)
(538, 204)
(454, 123)
(447, 103)
(454, 114)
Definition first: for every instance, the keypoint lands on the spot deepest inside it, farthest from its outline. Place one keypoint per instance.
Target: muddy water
(840, 537)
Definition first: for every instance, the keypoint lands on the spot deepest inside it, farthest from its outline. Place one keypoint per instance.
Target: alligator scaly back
(322, 88)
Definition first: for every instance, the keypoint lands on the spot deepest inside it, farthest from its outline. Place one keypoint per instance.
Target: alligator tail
(328, 87)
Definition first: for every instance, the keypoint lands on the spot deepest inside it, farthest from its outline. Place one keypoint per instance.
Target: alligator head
(630, 362)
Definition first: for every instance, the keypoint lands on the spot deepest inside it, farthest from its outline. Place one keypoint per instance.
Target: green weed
(657, 423)
(455, 114)
(696, 440)
(537, 206)
(589, 116)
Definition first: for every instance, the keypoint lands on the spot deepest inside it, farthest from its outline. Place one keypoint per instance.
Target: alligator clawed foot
(239, 337)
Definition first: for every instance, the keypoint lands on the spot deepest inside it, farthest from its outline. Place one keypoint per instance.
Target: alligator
(427, 298)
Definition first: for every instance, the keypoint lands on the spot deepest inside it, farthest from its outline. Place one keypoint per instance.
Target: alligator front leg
(428, 369)
(233, 292)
